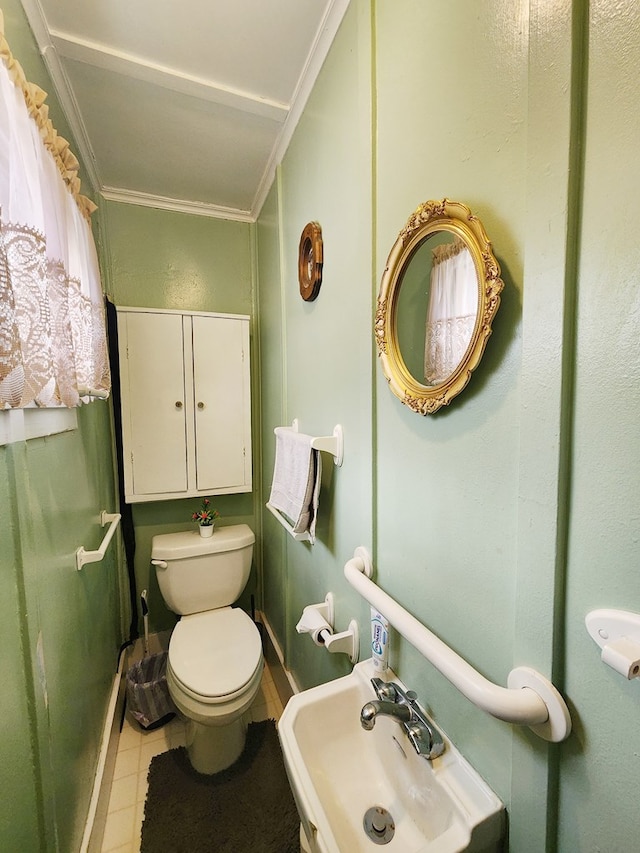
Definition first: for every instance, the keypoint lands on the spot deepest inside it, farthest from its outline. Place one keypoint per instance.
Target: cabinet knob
(178, 404)
(201, 405)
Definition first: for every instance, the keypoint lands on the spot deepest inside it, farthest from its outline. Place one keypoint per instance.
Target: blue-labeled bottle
(379, 641)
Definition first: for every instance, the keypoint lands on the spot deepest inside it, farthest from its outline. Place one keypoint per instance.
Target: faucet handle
(385, 689)
(425, 739)
(406, 697)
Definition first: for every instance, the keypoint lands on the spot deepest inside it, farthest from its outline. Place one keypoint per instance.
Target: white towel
(296, 480)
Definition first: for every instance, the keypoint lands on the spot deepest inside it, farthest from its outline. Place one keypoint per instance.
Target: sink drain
(378, 825)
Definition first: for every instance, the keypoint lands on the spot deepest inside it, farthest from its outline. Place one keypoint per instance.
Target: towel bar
(82, 556)
(333, 444)
(299, 537)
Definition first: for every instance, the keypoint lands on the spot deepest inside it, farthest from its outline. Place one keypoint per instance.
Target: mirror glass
(437, 308)
(438, 296)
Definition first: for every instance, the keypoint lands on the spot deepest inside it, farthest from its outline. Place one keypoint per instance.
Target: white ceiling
(184, 104)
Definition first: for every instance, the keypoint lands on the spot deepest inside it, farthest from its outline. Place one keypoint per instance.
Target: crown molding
(325, 36)
(176, 205)
(54, 45)
(129, 65)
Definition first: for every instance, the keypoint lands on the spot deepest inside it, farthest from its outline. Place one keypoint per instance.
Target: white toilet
(215, 652)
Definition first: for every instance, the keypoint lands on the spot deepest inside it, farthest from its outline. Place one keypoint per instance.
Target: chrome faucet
(373, 709)
(393, 702)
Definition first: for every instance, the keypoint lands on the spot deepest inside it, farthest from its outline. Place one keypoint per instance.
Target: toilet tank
(196, 574)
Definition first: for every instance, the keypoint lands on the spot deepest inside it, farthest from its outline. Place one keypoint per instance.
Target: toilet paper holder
(617, 632)
(317, 621)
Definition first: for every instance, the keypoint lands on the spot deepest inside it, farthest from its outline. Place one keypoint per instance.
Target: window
(53, 350)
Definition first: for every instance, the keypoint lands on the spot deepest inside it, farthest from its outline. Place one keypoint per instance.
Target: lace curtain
(453, 305)
(53, 348)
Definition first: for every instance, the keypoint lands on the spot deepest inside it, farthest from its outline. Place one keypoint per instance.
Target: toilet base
(214, 748)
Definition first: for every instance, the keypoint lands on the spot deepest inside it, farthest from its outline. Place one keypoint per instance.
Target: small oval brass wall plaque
(310, 261)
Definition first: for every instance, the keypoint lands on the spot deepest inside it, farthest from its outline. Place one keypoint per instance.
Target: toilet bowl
(215, 657)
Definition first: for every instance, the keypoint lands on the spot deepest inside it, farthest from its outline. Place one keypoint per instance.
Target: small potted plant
(205, 517)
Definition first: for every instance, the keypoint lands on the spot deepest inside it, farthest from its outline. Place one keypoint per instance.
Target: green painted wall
(18, 770)
(161, 259)
(502, 520)
(601, 764)
(449, 483)
(61, 631)
(60, 628)
(317, 356)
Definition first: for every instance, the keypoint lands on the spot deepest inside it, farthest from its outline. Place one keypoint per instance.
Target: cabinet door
(222, 403)
(153, 403)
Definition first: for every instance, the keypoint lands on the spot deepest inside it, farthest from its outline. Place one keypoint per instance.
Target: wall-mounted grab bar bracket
(558, 725)
(529, 700)
(362, 554)
(82, 556)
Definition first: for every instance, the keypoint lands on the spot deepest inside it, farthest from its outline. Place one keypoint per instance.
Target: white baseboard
(108, 747)
(295, 687)
(99, 804)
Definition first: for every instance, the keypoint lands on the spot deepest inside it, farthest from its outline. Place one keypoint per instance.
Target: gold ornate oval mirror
(438, 296)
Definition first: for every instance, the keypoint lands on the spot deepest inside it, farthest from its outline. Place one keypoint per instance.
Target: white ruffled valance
(53, 348)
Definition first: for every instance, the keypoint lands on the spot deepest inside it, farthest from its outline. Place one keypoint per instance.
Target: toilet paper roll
(313, 623)
(623, 655)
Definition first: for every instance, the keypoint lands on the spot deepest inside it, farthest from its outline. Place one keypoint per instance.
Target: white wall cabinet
(186, 403)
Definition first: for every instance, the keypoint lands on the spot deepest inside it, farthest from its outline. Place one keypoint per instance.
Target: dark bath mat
(247, 808)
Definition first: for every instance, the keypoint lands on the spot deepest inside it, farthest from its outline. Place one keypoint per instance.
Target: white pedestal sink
(339, 772)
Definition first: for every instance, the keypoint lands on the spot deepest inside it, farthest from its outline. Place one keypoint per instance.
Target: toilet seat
(215, 655)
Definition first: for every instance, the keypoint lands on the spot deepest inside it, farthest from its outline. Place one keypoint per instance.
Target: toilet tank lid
(189, 543)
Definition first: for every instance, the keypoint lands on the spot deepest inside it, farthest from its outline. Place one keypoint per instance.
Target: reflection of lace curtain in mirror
(451, 317)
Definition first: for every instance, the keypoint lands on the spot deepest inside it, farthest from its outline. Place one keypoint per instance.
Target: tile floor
(136, 748)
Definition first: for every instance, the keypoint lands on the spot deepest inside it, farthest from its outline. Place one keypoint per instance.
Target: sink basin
(339, 772)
